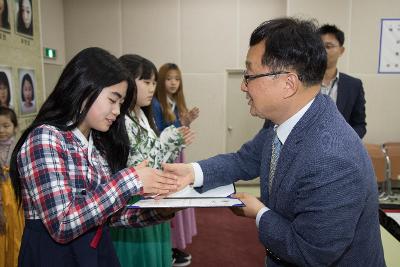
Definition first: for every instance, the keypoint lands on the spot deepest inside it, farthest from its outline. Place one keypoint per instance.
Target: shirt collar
(285, 128)
(171, 102)
(86, 143)
(333, 81)
(336, 79)
(144, 122)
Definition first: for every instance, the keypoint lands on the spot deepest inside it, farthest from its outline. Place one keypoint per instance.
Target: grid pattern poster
(389, 51)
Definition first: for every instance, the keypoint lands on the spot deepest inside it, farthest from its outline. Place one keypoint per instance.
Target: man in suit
(346, 91)
(319, 198)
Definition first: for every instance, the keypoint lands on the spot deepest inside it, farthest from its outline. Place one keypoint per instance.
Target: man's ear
(341, 50)
(291, 85)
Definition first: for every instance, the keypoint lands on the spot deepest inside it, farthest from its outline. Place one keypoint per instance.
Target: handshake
(161, 183)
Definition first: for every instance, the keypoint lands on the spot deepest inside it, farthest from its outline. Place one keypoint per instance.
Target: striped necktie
(276, 149)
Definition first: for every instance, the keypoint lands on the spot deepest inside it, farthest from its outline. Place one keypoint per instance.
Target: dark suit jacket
(351, 102)
(324, 200)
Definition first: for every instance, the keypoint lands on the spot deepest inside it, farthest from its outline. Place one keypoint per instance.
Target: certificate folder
(190, 198)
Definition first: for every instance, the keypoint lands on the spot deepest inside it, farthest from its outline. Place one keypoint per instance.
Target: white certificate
(189, 197)
(188, 202)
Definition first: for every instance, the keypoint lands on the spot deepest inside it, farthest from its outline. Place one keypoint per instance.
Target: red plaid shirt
(68, 185)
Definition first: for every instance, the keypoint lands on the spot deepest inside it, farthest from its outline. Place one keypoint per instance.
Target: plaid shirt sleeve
(138, 217)
(47, 171)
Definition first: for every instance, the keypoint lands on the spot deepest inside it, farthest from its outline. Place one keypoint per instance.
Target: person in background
(148, 246)
(169, 108)
(346, 91)
(319, 196)
(24, 17)
(11, 217)
(27, 94)
(4, 22)
(5, 95)
(69, 168)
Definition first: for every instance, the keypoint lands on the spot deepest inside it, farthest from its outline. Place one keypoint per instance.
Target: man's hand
(253, 205)
(183, 172)
(156, 182)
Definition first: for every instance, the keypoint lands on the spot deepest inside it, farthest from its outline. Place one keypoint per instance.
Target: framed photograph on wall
(27, 82)
(4, 16)
(24, 17)
(6, 87)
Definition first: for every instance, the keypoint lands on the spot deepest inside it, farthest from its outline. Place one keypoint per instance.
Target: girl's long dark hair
(142, 69)
(78, 87)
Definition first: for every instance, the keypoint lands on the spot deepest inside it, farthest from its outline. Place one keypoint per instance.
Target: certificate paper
(188, 197)
(190, 192)
(188, 202)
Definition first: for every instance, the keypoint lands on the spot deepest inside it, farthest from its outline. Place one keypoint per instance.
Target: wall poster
(389, 50)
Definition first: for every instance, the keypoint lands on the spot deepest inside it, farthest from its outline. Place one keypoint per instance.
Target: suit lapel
(292, 146)
(286, 158)
(341, 94)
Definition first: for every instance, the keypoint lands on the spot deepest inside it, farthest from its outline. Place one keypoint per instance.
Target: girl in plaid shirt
(68, 168)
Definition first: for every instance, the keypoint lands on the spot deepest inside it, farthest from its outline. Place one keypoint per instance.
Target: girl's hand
(156, 182)
(194, 113)
(187, 134)
(188, 117)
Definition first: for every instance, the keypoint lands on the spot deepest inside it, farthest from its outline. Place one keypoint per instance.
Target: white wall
(360, 20)
(52, 25)
(203, 37)
(92, 23)
(207, 37)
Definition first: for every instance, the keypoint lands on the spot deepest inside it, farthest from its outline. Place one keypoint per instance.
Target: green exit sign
(49, 53)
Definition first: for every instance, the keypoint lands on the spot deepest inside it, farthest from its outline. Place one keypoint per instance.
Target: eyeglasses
(247, 78)
(330, 46)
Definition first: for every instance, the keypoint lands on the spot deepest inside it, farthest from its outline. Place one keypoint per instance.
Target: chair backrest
(391, 144)
(379, 162)
(392, 149)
